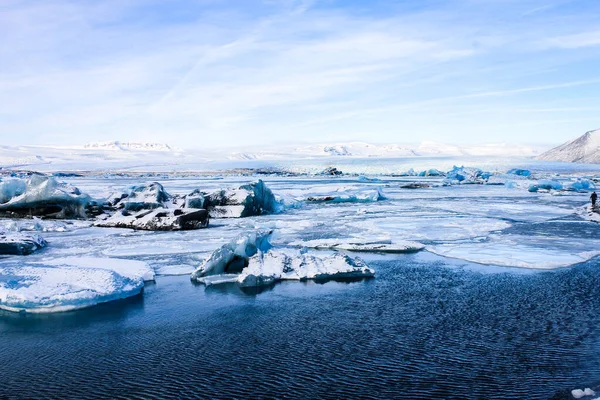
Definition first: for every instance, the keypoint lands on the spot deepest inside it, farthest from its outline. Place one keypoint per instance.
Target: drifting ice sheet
(69, 283)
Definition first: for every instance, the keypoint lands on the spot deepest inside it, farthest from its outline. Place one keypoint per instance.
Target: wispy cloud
(203, 73)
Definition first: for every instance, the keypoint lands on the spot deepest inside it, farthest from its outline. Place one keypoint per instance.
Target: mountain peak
(584, 149)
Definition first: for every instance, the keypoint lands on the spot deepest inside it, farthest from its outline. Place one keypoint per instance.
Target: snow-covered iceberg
(267, 268)
(247, 200)
(546, 184)
(43, 196)
(142, 197)
(69, 283)
(382, 246)
(160, 219)
(250, 261)
(581, 185)
(233, 256)
(466, 175)
(431, 172)
(16, 243)
(343, 195)
(519, 172)
(150, 207)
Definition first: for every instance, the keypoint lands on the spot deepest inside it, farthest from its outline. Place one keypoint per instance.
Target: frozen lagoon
(456, 320)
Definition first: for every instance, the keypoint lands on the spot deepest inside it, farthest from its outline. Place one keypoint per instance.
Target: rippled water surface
(429, 325)
(422, 329)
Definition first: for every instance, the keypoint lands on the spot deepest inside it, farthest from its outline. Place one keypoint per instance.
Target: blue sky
(209, 73)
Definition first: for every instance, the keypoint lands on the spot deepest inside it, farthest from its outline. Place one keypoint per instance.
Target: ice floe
(267, 268)
(343, 195)
(578, 393)
(158, 219)
(21, 244)
(63, 284)
(250, 261)
(382, 246)
(247, 200)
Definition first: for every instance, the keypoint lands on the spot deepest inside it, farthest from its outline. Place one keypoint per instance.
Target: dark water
(419, 330)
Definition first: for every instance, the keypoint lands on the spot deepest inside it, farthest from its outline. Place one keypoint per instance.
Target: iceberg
(161, 219)
(247, 200)
(15, 243)
(142, 197)
(233, 256)
(250, 261)
(44, 196)
(69, 283)
(581, 185)
(267, 268)
(546, 184)
(383, 246)
(465, 175)
(519, 172)
(347, 196)
(431, 172)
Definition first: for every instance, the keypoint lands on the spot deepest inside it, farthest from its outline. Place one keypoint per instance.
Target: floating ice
(512, 254)
(247, 200)
(20, 244)
(519, 172)
(43, 196)
(383, 246)
(158, 219)
(267, 268)
(69, 283)
(142, 197)
(342, 195)
(465, 175)
(251, 199)
(546, 184)
(578, 393)
(248, 258)
(431, 172)
(581, 185)
(233, 256)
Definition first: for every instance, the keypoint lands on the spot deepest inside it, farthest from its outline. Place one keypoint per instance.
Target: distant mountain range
(584, 149)
(116, 145)
(362, 150)
(115, 155)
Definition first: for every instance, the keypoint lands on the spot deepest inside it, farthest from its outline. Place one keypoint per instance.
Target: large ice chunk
(69, 283)
(251, 199)
(43, 196)
(233, 256)
(142, 197)
(161, 219)
(21, 244)
(380, 246)
(342, 195)
(466, 175)
(267, 268)
(546, 184)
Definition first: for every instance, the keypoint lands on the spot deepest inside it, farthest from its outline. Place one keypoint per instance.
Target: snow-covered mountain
(584, 149)
(364, 150)
(116, 145)
(117, 155)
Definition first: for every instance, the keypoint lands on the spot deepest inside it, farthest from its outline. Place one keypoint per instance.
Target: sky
(210, 73)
